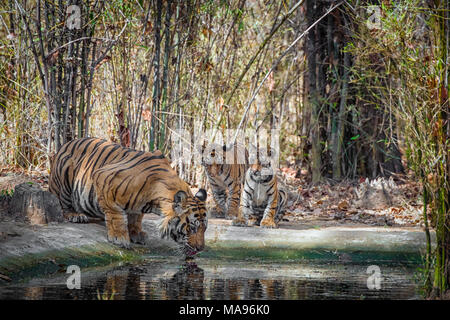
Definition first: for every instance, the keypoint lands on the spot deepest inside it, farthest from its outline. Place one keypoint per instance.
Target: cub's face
(261, 168)
(189, 226)
(261, 172)
(213, 159)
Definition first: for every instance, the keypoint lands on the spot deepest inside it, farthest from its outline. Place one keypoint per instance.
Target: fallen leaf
(343, 205)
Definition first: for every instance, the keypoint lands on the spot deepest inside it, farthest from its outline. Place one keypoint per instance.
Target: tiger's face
(213, 160)
(261, 172)
(189, 226)
(261, 168)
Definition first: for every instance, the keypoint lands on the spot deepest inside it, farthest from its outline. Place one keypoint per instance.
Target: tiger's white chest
(259, 195)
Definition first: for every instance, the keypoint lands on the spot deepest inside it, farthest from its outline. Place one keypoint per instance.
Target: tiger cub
(97, 178)
(225, 169)
(263, 203)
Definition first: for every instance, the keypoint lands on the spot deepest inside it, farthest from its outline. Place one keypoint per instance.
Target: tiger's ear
(201, 194)
(180, 196)
(179, 200)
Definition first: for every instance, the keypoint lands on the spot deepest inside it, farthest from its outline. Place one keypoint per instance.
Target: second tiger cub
(263, 203)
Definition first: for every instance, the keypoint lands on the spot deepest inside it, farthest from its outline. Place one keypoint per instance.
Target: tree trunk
(338, 141)
(165, 77)
(313, 94)
(156, 76)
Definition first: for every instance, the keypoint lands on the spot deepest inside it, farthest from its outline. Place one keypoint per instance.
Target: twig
(249, 64)
(275, 64)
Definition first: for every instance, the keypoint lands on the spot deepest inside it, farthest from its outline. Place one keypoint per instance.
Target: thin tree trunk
(165, 77)
(337, 147)
(313, 94)
(156, 76)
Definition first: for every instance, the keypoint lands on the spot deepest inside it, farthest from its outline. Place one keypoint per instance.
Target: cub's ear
(201, 194)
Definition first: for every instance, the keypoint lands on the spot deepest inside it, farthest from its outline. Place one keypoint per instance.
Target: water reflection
(159, 281)
(188, 283)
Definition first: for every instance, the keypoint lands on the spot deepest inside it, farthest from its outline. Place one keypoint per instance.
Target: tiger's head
(213, 158)
(261, 172)
(261, 169)
(188, 227)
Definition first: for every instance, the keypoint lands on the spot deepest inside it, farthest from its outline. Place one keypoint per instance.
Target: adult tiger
(97, 178)
(263, 203)
(225, 169)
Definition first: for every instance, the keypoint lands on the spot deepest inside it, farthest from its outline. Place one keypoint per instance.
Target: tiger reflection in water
(187, 283)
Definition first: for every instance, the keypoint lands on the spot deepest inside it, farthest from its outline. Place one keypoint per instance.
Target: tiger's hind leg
(71, 215)
(135, 229)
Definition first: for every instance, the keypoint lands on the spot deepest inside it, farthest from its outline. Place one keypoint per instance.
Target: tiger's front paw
(216, 212)
(232, 214)
(76, 217)
(252, 222)
(268, 223)
(121, 241)
(239, 222)
(139, 237)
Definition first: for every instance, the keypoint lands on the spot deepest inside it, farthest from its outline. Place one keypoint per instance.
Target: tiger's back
(71, 176)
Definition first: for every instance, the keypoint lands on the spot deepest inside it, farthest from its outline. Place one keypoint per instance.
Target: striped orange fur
(97, 178)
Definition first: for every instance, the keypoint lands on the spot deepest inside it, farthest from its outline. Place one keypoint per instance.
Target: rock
(33, 205)
(338, 215)
(5, 199)
(377, 194)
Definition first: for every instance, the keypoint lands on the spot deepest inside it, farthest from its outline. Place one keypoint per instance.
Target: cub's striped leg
(281, 208)
(239, 220)
(220, 197)
(135, 229)
(268, 220)
(245, 217)
(234, 199)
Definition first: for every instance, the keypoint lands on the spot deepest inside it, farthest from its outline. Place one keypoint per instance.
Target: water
(163, 278)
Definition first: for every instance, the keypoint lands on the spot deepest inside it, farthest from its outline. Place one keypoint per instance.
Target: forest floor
(379, 202)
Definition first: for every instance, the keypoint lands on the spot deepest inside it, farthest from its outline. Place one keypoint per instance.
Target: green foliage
(402, 64)
(6, 192)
